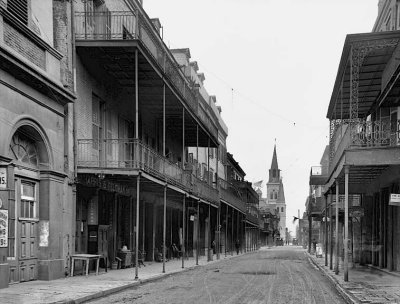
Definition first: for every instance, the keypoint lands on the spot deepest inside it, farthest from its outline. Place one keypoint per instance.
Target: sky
(272, 66)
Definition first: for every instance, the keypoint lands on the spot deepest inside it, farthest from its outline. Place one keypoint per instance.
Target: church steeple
(274, 172)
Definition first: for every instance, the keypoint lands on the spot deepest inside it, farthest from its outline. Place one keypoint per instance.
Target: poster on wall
(3, 178)
(3, 228)
(92, 213)
(44, 233)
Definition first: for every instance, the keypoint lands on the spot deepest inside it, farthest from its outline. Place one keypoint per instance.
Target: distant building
(275, 199)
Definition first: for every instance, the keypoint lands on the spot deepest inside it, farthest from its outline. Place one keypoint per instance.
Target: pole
(137, 228)
(337, 229)
(197, 232)
(330, 233)
(183, 231)
(346, 224)
(326, 230)
(164, 227)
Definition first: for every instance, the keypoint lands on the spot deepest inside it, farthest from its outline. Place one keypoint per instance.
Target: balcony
(114, 34)
(366, 143)
(315, 206)
(124, 156)
(230, 197)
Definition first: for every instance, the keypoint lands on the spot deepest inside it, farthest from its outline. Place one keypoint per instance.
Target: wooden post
(226, 229)
(183, 231)
(337, 229)
(197, 232)
(330, 233)
(154, 230)
(346, 224)
(137, 227)
(326, 230)
(164, 227)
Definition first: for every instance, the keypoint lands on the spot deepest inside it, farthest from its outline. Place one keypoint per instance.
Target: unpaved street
(276, 275)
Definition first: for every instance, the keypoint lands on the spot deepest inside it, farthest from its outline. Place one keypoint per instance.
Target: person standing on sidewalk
(237, 245)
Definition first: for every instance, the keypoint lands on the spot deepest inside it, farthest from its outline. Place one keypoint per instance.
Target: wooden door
(24, 266)
(27, 250)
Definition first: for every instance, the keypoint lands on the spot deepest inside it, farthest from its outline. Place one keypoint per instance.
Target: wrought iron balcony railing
(118, 25)
(132, 154)
(363, 134)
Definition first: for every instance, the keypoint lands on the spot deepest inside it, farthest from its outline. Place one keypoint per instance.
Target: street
(275, 275)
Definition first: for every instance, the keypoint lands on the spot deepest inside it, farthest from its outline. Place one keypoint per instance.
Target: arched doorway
(29, 153)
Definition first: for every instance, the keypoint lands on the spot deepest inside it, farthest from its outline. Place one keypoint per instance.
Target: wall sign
(3, 177)
(354, 200)
(92, 213)
(44, 233)
(3, 228)
(394, 200)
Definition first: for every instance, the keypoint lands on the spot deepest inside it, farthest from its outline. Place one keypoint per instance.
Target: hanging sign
(92, 213)
(3, 178)
(3, 228)
(394, 200)
(354, 200)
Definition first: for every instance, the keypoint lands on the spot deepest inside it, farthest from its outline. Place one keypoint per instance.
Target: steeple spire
(274, 172)
(274, 164)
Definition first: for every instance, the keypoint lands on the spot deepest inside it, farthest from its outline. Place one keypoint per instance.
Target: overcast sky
(272, 65)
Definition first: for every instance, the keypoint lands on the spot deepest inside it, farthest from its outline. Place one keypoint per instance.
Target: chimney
(157, 24)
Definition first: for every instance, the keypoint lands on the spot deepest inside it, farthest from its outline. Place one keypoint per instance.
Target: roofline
(350, 40)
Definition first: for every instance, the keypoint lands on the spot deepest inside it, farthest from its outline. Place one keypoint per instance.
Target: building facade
(36, 167)
(109, 141)
(363, 177)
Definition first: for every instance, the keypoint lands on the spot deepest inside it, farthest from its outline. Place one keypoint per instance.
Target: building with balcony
(36, 164)
(364, 143)
(316, 203)
(110, 141)
(139, 113)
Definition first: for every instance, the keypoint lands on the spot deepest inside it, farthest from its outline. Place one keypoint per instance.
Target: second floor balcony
(107, 40)
(129, 156)
(364, 125)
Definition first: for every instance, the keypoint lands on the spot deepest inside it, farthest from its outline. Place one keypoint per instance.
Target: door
(24, 266)
(103, 242)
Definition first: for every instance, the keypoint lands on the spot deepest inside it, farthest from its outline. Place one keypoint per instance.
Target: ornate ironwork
(375, 133)
(358, 53)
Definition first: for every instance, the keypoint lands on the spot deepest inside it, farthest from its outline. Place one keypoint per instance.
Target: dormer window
(19, 8)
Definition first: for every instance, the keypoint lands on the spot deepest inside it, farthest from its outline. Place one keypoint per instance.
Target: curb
(138, 282)
(349, 298)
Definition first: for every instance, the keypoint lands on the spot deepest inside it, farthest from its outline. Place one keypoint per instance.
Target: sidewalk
(80, 288)
(366, 284)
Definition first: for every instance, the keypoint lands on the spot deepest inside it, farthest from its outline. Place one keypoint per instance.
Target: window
(23, 149)
(282, 209)
(274, 173)
(28, 200)
(19, 8)
(271, 196)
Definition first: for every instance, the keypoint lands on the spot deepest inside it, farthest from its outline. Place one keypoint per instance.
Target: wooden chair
(141, 257)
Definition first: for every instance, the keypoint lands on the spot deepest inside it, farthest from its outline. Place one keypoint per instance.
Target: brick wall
(24, 46)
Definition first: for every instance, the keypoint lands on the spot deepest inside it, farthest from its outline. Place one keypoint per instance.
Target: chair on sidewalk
(141, 257)
(176, 253)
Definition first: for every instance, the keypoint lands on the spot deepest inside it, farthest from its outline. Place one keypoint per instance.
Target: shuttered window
(19, 8)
